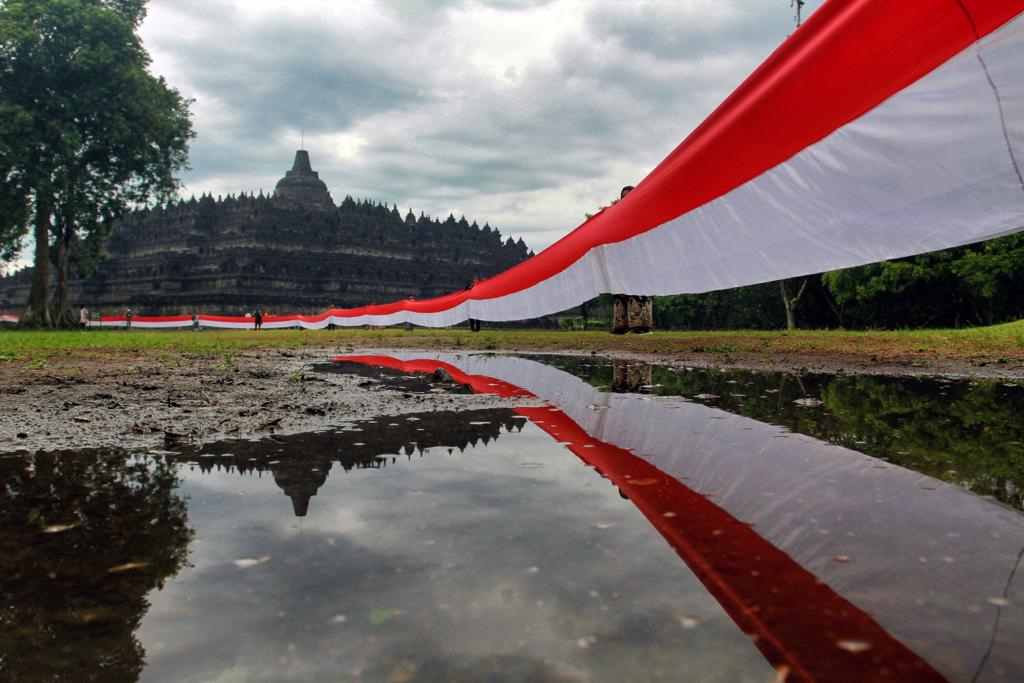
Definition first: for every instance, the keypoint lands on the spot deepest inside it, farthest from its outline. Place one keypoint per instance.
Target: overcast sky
(524, 114)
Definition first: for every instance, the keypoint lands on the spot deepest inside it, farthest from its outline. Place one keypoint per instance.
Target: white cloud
(527, 115)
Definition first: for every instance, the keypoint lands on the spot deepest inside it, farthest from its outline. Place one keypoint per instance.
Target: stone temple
(292, 252)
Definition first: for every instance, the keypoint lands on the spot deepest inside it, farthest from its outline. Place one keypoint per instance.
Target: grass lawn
(999, 342)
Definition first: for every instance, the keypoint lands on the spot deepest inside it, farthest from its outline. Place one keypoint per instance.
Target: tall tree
(86, 133)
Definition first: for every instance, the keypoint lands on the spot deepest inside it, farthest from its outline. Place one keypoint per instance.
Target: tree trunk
(62, 315)
(790, 303)
(837, 309)
(37, 310)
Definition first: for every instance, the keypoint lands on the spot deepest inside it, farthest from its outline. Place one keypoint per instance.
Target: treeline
(979, 284)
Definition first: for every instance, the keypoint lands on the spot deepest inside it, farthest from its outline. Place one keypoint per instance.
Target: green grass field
(997, 342)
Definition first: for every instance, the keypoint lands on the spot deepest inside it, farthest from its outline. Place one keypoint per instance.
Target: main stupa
(302, 186)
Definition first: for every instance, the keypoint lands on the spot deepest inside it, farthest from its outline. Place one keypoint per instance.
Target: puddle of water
(602, 536)
(967, 432)
(451, 546)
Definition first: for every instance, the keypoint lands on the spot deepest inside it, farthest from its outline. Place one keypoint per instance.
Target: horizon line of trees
(974, 285)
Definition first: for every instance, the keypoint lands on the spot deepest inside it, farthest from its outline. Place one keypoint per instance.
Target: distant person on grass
(631, 313)
(83, 317)
(474, 324)
(258, 319)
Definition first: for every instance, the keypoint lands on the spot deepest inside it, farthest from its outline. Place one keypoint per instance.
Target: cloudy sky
(524, 114)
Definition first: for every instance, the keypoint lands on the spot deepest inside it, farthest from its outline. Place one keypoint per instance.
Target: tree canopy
(86, 131)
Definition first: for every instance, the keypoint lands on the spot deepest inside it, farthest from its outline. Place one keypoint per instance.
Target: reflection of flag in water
(804, 628)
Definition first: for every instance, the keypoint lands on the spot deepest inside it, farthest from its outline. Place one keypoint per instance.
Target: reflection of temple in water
(300, 463)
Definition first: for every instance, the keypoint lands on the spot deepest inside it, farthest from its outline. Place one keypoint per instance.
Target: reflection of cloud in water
(441, 555)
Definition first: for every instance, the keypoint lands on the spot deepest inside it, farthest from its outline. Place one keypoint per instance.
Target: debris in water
(689, 621)
(807, 402)
(853, 645)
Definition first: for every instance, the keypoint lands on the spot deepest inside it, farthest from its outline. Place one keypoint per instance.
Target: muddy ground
(151, 402)
(156, 400)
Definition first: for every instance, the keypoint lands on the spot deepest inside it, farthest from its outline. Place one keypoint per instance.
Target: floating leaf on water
(127, 567)
(842, 559)
(668, 514)
(480, 423)
(531, 465)
(851, 645)
(706, 397)
(339, 619)
(533, 570)
(246, 562)
(605, 525)
(58, 528)
(379, 616)
(998, 602)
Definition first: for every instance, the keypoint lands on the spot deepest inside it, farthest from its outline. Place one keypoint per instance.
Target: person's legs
(641, 314)
(619, 321)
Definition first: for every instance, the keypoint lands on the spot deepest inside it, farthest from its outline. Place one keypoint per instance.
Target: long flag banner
(878, 130)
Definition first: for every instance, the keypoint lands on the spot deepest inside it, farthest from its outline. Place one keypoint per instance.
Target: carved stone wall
(291, 252)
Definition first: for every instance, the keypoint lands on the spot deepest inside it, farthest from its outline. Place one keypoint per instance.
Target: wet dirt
(149, 400)
(152, 402)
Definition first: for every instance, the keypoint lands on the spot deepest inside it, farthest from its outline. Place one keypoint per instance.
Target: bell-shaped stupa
(301, 187)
